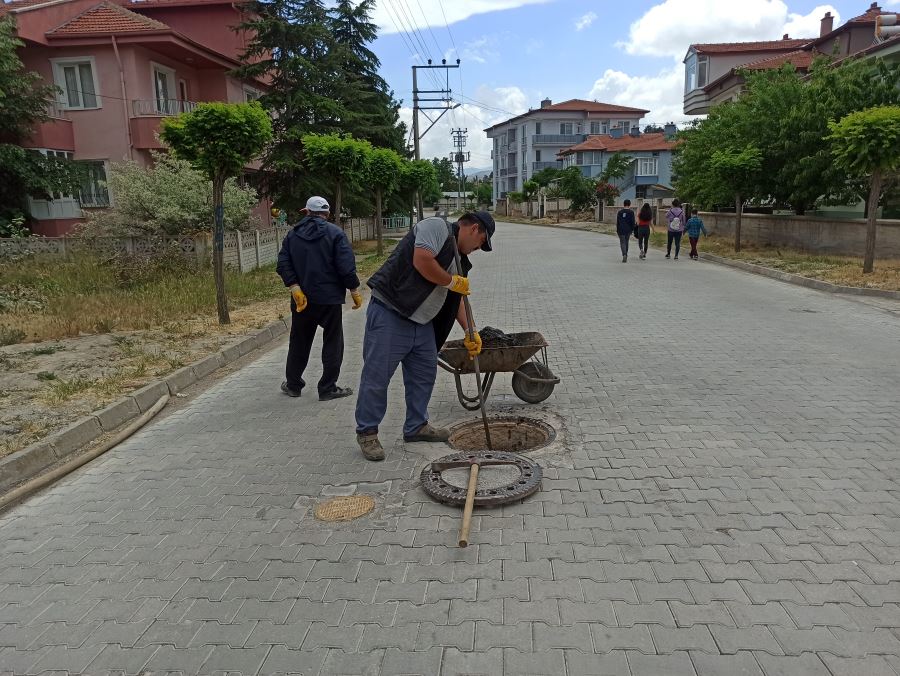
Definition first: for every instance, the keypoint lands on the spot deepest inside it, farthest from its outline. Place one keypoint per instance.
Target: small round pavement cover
(345, 508)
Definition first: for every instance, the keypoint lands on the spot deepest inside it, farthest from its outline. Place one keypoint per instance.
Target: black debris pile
(491, 337)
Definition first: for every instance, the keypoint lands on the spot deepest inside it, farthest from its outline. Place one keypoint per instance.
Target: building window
(164, 90)
(595, 127)
(76, 78)
(94, 191)
(565, 128)
(537, 127)
(537, 155)
(511, 136)
(690, 74)
(626, 126)
(702, 70)
(251, 94)
(647, 166)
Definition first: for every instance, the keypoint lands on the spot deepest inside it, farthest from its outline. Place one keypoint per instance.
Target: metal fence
(244, 251)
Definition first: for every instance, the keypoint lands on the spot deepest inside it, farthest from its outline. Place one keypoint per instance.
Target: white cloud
(480, 50)
(394, 17)
(662, 94)
(668, 28)
(437, 143)
(585, 21)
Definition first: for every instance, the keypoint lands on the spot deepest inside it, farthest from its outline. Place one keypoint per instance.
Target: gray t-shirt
(431, 234)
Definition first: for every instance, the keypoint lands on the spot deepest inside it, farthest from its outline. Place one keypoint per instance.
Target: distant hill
(476, 172)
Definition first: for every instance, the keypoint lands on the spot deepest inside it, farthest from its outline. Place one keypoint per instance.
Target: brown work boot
(428, 433)
(370, 446)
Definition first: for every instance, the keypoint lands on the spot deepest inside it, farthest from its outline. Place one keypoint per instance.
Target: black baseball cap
(487, 221)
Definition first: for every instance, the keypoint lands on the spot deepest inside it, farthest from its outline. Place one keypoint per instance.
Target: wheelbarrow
(532, 379)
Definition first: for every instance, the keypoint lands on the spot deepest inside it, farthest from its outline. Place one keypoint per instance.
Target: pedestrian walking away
(416, 298)
(675, 218)
(317, 265)
(644, 227)
(625, 227)
(693, 228)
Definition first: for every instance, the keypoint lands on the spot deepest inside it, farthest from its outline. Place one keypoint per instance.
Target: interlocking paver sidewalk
(725, 500)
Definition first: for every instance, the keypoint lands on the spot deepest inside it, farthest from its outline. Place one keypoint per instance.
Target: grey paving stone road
(723, 499)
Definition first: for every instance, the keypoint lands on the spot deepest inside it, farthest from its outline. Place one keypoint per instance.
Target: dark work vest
(401, 285)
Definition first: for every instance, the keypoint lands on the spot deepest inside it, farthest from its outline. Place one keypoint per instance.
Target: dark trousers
(693, 241)
(673, 237)
(623, 243)
(303, 330)
(643, 238)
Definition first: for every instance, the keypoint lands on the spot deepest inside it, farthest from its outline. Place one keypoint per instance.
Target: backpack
(675, 224)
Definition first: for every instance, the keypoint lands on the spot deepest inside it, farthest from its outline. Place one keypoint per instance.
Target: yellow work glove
(473, 344)
(357, 299)
(299, 298)
(459, 284)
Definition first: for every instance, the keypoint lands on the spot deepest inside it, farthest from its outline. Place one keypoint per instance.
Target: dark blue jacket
(316, 255)
(625, 223)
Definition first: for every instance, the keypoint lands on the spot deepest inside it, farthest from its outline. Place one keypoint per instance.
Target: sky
(514, 53)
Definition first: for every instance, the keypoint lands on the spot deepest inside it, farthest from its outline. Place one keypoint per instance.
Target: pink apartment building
(122, 66)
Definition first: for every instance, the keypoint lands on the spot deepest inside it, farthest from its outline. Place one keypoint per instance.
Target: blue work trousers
(391, 340)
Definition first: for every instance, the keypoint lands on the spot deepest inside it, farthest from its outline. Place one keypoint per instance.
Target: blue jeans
(391, 340)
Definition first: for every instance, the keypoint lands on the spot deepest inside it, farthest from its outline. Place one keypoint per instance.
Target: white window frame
(563, 126)
(702, 70)
(172, 86)
(647, 166)
(537, 127)
(251, 93)
(92, 203)
(690, 74)
(59, 79)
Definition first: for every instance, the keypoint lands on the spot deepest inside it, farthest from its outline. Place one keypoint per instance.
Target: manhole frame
(513, 418)
(446, 493)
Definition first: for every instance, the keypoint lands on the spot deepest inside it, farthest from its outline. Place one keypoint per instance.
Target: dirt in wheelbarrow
(491, 337)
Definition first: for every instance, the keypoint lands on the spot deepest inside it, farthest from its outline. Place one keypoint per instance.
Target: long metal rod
(470, 321)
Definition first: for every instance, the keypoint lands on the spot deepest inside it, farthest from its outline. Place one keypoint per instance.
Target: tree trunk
(338, 194)
(378, 221)
(874, 197)
(738, 212)
(219, 250)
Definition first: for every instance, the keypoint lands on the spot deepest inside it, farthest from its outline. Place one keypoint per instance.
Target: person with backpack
(694, 227)
(644, 220)
(625, 227)
(675, 218)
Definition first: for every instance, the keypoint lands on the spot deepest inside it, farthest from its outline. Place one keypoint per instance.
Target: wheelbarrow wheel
(528, 390)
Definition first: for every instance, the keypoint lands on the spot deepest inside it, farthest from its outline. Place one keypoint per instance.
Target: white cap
(317, 204)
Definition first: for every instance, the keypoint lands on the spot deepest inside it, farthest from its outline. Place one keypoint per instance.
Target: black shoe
(676, 257)
(288, 391)
(336, 393)
(668, 255)
(624, 259)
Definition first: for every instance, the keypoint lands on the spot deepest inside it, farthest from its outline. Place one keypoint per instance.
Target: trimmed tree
(219, 140)
(339, 158)
(418, 176)
(738, 171)
(529, 190)
(867, 143)
(383, 173)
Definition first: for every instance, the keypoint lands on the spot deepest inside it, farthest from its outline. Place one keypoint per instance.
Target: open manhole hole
(513, 434)
(345, 508)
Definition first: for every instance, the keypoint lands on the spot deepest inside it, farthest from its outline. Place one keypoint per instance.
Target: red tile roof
(652, 141)
(869, 15)
(801, 59)
(107, 17)
(592, 107)
(21, 4)
(762, 46)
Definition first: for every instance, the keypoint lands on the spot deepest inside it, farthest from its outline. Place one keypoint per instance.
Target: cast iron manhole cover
(502, 478)
(513, 434)
(345, 508)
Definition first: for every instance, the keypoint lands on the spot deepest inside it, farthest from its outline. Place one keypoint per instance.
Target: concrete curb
(799, 280)
(33, 459)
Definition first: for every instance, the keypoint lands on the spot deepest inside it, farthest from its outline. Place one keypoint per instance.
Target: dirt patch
(515, 434)
(46, 386)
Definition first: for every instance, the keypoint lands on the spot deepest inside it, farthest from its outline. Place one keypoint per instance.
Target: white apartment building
(531, 141)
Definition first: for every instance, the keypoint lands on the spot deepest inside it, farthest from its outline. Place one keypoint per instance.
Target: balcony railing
(94, 199)
(55, 111)
(508, 171)
(537, 166)
(161, 108)
(558, 139)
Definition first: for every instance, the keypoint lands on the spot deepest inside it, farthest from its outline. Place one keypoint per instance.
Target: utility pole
(460, 157)
(438, 99)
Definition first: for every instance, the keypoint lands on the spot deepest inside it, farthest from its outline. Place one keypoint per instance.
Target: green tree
(382, 172)
(617, 167)
(219, 140)
(578, 189)
(484, 192)
(529, 191)
(23, 103)
(340, 159)
(446, 175)
(867, 142)
(515, 197)
(737, 170)
(418, 176)
(545, 176)
(169, 198)
(554, 192)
